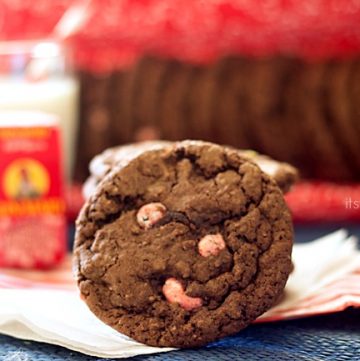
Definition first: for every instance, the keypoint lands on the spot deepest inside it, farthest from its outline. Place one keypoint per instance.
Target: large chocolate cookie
(183, 245)
(284, 174)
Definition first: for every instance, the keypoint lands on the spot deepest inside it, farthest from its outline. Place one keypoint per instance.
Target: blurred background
(281, 77)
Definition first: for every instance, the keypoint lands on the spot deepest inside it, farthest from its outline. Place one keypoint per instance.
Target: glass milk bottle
(36, 76)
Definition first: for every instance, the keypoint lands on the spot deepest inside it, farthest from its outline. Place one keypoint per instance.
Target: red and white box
(32, 207)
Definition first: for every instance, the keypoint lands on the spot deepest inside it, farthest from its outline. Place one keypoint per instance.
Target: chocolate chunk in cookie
(183, 245)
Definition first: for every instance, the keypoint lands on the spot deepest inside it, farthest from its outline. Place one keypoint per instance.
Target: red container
(32, 207)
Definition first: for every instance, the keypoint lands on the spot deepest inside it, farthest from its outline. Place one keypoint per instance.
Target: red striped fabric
(59, 278)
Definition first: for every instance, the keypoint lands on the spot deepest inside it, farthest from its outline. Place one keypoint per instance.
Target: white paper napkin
(61, 318)
(326, 278)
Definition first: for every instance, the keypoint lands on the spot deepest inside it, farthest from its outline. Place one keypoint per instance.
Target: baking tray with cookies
(179, 180)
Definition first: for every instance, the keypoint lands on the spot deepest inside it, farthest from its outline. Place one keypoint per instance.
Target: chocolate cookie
(230, 116)
(184, 245)
(152, 74)
(95, 120)
(267, 89)
(171, 102)
(321, 149)
(284, 174)
(289, 121)
(338, 112)
(354, 96)
(199, 125)
(120, 156)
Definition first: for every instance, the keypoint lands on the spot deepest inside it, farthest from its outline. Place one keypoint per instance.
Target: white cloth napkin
(60, 317)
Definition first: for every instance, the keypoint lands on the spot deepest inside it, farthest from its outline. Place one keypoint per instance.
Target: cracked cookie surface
(284, 174)
(184, 245)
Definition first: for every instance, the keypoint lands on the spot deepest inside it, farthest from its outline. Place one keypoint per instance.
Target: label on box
(32, 207)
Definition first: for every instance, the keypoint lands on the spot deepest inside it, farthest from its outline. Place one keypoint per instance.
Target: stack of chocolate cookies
(182, 243)
(302, 112)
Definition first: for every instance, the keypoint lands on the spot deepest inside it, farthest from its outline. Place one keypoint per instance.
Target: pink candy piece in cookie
(211, 245)
(174, 293)
(149, 214)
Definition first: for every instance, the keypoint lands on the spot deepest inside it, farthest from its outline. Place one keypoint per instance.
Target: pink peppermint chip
(149, 214)
(211, 245)
(174, 293)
